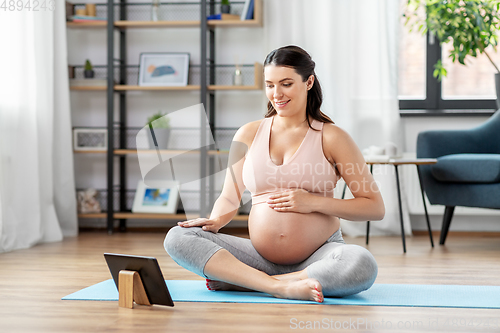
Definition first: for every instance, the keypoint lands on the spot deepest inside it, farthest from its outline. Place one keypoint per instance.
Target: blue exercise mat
(448, 296)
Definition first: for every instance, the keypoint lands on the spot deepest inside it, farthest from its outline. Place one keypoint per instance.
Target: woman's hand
(212, 225)
(293, 200)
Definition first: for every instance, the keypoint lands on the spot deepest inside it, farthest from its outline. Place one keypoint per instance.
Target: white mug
(375, 150)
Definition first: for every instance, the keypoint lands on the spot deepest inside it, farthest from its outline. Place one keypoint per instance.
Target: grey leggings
(342, 269)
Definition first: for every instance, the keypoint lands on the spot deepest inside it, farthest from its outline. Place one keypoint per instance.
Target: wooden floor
(33, 281)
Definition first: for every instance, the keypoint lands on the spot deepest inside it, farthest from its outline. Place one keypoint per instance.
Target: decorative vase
(226, 9)
(88, 73)
(162, 136)
(497, 87)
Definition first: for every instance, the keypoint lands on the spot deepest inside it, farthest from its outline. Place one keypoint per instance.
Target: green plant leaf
(88, 65)
(439, 70)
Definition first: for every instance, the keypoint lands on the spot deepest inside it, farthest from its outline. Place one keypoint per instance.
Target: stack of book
(85, 18)
(223, 16)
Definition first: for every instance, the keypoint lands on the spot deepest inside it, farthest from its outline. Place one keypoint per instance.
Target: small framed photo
(163, 197)
(163, 69)
(85, 139)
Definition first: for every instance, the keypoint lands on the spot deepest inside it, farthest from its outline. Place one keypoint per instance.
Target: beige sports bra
(307, 169)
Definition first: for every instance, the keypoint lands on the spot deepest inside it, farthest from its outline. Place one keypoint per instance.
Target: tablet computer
(149, 271)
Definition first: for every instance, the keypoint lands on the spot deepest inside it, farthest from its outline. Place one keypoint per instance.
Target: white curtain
(37, 191)
(355, 47)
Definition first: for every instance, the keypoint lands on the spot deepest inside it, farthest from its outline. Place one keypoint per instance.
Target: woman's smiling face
(286, 90)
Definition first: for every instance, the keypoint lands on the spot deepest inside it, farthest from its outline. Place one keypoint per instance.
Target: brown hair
(298, 59)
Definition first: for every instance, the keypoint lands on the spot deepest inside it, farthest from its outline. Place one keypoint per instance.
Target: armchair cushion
(467, 168)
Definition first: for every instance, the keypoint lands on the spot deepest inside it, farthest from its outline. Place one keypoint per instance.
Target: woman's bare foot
(219, 285)
(307, 289)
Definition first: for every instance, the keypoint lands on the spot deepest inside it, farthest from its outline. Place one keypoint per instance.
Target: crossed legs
(335, 269)
(225, 267)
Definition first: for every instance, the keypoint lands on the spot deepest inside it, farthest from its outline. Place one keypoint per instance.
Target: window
(474, 81)
(411, 62)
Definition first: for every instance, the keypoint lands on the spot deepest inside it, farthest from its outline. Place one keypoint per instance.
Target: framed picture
(163, 197)
(90, 139)
(163, 69)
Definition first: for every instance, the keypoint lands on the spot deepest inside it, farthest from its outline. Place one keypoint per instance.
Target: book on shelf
(70, 10)
(250, 10)
(223, 16)
(247, 13)
(88, 83)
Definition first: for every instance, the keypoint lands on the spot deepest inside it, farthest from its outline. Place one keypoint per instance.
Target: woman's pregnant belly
(288, 238)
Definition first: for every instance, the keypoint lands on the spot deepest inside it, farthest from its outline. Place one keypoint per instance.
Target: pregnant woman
(290, 161)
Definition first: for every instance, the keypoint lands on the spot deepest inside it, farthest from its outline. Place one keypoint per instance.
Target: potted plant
(159, 124)
(225, 6)
(471, 26)
(88, 70)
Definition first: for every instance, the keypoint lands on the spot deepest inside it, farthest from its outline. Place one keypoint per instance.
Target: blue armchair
(468, 169)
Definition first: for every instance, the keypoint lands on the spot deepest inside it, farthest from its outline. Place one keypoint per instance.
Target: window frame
(434, 104)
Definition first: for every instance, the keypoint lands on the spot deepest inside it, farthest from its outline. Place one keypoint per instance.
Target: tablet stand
(130, 289)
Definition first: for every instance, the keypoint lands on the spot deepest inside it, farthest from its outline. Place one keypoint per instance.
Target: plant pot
(497, 87)
(162, 136)
(88, 73)
(226, 9)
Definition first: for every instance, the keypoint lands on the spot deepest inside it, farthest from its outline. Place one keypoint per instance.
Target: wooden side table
(397, 162)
